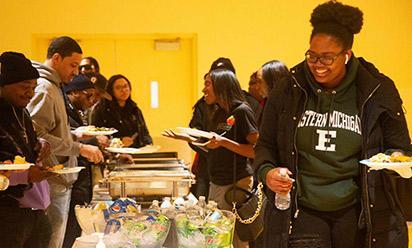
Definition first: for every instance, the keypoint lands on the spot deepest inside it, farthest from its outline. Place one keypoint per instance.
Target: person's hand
(92, 153)
(125, 158)
(37, 174)
(277, 183)
(43, 149)
(103, 140)
(179, 136)
(216, 141)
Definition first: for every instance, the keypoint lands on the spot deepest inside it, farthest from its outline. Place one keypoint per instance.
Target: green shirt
(329, 145)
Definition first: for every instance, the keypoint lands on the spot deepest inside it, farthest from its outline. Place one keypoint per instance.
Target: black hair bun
(335, 12)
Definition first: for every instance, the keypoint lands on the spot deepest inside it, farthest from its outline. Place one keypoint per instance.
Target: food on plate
(56, 167)
(380, 157)
(18, 164)
(96, 129)
(401, 158)
(93, 130)
(116, 143)
(19, 160)
(395, 157)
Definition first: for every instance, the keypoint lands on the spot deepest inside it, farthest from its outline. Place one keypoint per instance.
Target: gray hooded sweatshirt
(48, 111)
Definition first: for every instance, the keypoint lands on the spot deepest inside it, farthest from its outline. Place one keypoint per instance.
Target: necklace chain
(21, 125)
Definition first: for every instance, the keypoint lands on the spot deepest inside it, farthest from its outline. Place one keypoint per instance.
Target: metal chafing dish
(151, 176)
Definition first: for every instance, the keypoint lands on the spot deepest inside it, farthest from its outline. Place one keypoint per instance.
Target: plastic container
(115, 240)
(90, 220)
(202, 205)
(216, 231)
(146, 230)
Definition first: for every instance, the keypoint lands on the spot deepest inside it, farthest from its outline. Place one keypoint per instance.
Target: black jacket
(12, 143)
(82, 190)
(383, 127)
(128, 121)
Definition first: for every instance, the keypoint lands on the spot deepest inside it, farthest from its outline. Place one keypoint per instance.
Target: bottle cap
(283, 172)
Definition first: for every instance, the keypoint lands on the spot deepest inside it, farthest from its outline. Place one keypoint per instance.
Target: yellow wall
(249, 32)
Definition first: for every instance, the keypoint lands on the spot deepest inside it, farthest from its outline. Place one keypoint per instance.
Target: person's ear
(56, 58)
(348, 55)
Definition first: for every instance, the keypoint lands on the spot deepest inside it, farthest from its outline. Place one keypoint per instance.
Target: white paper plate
(131, 150)
(68, 170)
(84, 130)
(15, 166)
(402, 168)
(195, 132)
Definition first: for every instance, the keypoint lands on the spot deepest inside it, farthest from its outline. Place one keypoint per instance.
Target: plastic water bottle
(282, 201)
(166, 203)
(211, 207)
(167, 208)
(202, 206)
(154, 208)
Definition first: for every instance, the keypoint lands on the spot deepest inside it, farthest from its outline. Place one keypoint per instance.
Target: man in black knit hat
(23, 204)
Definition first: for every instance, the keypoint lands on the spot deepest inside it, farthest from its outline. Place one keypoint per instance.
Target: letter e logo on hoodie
(324, 141)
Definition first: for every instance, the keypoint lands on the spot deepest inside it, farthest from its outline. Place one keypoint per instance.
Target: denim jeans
(58, 212)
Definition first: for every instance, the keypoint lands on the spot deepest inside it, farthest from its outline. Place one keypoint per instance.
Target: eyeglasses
(325, 60)
(86, 67)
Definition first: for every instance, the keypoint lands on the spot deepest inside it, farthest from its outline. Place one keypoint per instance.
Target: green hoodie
(329, 144)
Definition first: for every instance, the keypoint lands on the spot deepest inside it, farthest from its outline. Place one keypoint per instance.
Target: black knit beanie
(14, 68)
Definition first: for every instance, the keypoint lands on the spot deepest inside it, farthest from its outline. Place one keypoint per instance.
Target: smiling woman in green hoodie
(336, 110)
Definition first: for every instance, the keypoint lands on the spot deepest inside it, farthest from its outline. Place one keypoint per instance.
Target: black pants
(201, 187)
(24, 228)
(337, 229)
